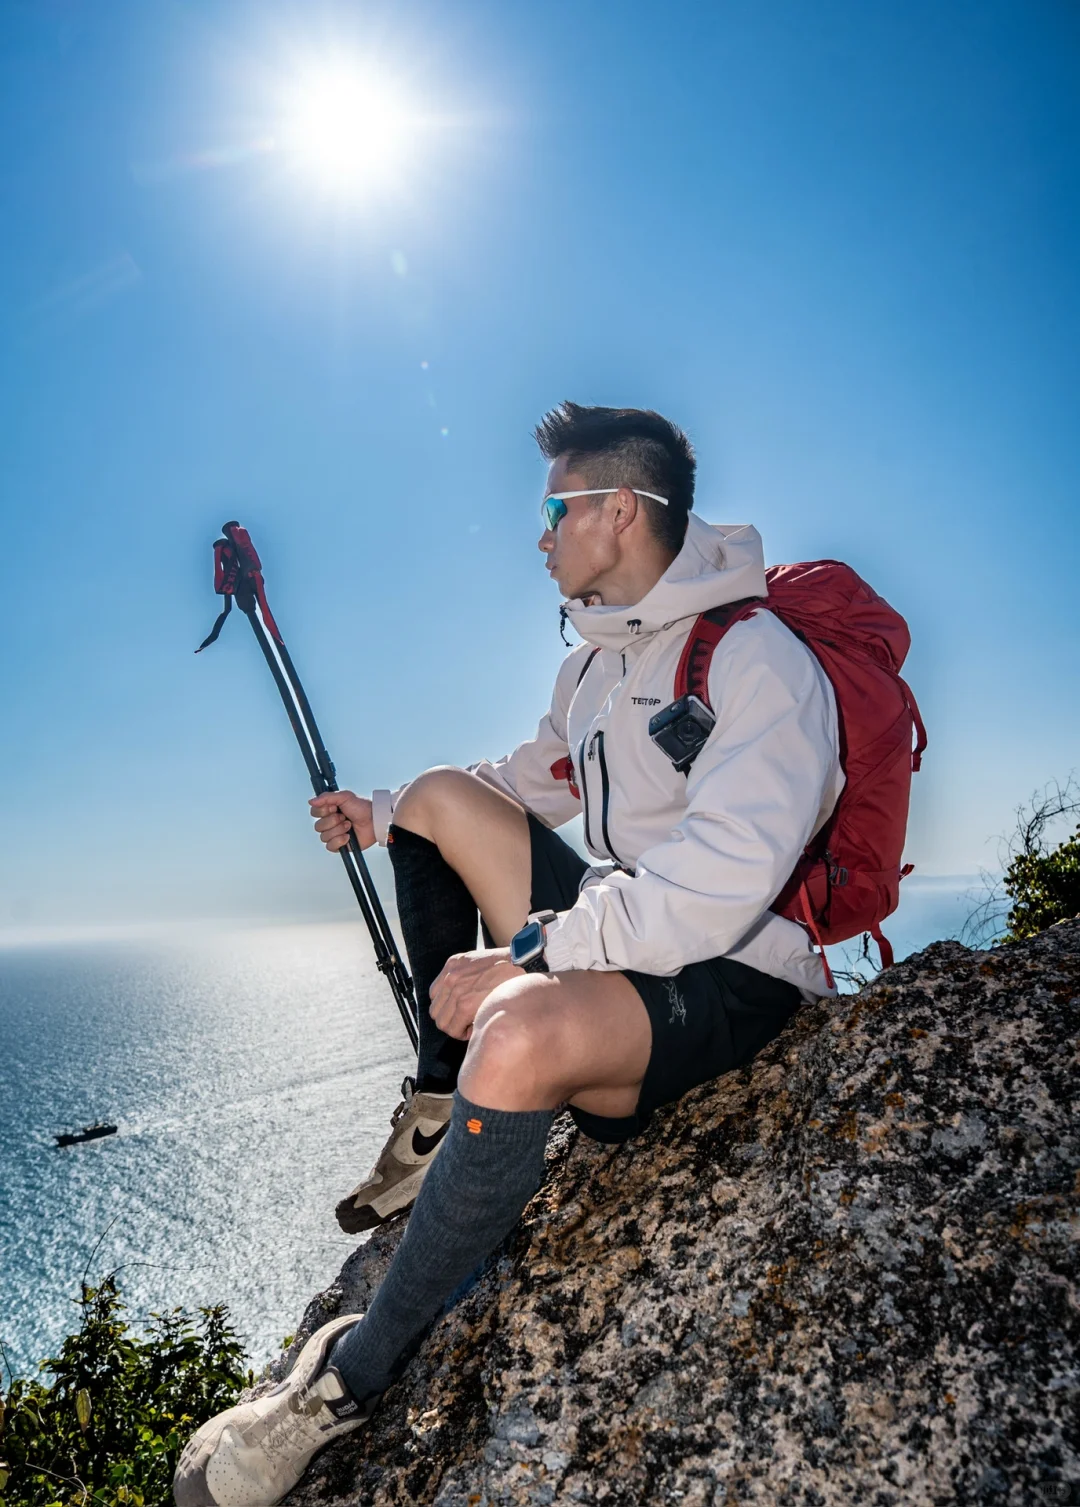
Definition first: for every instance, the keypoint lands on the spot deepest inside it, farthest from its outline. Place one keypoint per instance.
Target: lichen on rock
(844, 1274)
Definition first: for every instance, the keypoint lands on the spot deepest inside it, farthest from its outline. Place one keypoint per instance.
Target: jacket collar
(718, 563)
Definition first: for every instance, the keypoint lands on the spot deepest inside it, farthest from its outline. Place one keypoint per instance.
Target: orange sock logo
(475, 1126)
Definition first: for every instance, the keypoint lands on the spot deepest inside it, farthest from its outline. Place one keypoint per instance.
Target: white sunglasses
(553, 507)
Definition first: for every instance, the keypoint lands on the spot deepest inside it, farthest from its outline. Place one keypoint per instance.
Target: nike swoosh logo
(423, 1144)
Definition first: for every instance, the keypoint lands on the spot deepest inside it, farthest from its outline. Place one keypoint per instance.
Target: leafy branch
(109, 1426)
(1039, 885)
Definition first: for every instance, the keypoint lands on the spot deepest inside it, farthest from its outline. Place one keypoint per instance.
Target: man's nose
(546, 541)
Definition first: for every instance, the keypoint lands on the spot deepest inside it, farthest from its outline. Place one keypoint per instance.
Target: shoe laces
(293, 1428)
(311, 1398)
(408, 1090)
(307, 1402)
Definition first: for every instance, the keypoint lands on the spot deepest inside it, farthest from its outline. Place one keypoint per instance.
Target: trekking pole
(238, 574)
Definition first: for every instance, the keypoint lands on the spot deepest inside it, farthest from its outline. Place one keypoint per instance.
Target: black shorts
(706, 1019)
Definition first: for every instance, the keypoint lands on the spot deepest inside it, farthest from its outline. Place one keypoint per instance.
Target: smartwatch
(527, 945)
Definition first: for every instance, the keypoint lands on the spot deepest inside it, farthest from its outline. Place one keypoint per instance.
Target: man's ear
(626, 509)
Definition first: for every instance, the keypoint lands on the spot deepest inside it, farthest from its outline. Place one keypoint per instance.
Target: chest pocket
(596, 794)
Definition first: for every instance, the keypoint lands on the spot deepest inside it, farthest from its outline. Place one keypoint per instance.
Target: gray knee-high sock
(490, 1165)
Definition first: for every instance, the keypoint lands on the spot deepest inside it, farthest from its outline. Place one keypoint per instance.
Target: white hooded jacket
(687, 864)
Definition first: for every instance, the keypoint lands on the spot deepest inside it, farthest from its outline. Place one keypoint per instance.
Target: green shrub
(1044, 887)
(1038, 884)
(120, 1407)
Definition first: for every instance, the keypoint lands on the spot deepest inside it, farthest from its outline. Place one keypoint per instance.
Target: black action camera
(682, 729)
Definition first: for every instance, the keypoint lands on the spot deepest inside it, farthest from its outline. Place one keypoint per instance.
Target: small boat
(87, 1133)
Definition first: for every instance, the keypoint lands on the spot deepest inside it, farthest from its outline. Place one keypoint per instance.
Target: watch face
(527, 943)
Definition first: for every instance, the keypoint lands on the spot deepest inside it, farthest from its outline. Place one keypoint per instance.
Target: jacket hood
(718, 563)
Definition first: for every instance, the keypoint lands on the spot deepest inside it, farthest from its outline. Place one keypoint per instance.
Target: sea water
(251, 1074)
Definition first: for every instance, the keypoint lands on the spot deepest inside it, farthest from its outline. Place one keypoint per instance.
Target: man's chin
(571, 591)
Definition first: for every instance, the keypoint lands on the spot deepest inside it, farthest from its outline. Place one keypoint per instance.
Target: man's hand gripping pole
(238, 574)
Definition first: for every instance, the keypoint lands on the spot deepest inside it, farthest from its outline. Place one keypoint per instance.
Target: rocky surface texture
(846, 1274)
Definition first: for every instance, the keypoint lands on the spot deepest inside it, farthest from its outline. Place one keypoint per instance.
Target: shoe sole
(355, 1221)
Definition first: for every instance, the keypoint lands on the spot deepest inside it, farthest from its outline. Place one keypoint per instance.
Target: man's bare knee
(539, 1041)
(427, 795)
(509, 1063)
(482, 834)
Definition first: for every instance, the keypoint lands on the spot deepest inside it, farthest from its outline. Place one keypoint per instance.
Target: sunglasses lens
(552, 510)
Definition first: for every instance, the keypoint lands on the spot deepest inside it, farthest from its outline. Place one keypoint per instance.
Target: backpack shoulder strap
(563, 769)
(692, 675)
(585, 667)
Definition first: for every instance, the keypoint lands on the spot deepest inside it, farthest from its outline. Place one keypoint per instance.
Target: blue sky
(838, 243)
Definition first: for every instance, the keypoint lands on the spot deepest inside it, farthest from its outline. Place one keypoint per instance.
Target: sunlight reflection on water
(252, 1074)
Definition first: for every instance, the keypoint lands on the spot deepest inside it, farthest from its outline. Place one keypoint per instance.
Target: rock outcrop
(846, 1274)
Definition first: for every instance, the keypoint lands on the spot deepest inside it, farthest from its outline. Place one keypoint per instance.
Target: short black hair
(627, 447)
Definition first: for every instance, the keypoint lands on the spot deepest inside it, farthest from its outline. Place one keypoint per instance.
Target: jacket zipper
(605, 796)
(585, 787)
(596, 751)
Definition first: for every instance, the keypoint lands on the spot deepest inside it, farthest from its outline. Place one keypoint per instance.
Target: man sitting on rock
(653, 970)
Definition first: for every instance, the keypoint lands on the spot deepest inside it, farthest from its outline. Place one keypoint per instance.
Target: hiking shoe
(418, 1126)
(253, 1454)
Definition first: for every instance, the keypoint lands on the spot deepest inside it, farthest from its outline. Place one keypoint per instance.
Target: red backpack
(848, 879)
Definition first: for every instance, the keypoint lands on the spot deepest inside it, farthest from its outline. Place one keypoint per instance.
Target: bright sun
(346, 130)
